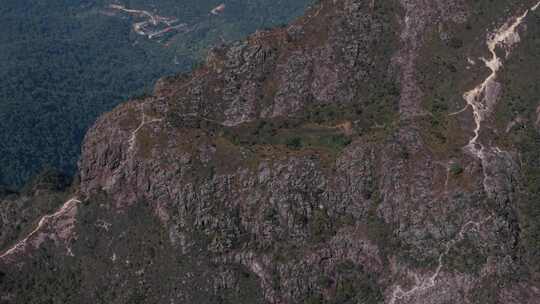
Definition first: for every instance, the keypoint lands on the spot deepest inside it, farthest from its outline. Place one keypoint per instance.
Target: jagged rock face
(299, 167)
(332, 55)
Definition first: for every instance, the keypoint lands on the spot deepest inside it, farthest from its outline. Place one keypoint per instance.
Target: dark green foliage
(336, 141)
(404, 153)
(48, 179)
(124, 258)
(65, 62)
(314, 299)
(456, 169)
(380, 233)
(455, 43)
(5, 191)
(530, 206)
(62, 66)
(247, 292)
(320, 125)
(354, 285)
(288, 132)
(466, 257)
(20, 212)
(347, 283)
(294, 143)
(321, 225)
(47, 279)
(380, 109)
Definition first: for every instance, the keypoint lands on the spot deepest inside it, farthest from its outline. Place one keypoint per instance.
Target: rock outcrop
(294, 167)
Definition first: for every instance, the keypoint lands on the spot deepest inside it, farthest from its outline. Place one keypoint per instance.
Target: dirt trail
(63, 218)
(481, 100)
(483, 97)
(144, 121)
(479, 97)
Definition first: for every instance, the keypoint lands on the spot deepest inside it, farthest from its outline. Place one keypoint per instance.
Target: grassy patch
(290, 134)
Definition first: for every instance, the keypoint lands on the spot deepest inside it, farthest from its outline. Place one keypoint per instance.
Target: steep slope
(339, 159)
(64, 63)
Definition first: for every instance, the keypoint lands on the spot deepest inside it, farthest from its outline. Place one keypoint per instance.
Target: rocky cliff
(369, 152)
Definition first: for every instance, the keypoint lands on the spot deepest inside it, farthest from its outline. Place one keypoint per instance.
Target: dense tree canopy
(66, 61)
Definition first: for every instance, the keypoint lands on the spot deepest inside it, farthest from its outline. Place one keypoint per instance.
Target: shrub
(455, 169)
(294, 143)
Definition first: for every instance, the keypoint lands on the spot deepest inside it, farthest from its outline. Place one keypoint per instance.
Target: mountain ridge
(291, 168)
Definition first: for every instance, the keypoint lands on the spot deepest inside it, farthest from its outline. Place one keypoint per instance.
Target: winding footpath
(481, 100)
(63, 217)
(144, 121)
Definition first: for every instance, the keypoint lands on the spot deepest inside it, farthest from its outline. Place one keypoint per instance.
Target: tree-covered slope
(65, 62)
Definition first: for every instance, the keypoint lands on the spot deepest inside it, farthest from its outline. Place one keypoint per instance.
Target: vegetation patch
(465, 257)
(455, 169)
(519, 102)
(355, 285)
(64, 63)
(291, 135)
(147, 139)
(321, 226)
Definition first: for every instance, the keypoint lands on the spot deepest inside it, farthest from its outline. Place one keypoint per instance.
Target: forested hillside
(64, 62)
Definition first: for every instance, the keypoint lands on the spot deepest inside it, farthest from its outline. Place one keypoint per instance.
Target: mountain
(367, 152)
(66, 62)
